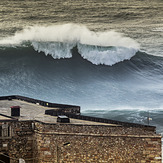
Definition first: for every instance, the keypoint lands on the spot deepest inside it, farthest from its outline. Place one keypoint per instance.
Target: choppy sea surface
(106, 56)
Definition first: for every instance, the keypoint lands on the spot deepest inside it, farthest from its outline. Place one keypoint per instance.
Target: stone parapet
(98, 129)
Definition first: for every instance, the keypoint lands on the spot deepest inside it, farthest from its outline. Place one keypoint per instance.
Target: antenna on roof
(148, 118)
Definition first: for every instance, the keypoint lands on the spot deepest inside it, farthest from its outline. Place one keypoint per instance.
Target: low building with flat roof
(37, 131)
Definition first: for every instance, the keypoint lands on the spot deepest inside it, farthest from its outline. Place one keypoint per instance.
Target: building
(36, 131)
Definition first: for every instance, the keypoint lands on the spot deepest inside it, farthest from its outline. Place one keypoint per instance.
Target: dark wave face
(77, 81)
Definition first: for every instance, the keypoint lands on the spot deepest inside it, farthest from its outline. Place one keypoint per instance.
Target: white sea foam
(56, 50)
(58, 40)
(109, 56)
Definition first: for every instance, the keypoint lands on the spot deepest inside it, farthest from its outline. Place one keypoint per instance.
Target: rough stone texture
(20, 142)
(95, 129)
(96, 144)
(39, 142)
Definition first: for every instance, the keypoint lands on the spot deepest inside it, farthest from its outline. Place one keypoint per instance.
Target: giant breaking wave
(107, 47)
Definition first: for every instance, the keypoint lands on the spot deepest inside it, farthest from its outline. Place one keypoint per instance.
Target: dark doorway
(4, 158)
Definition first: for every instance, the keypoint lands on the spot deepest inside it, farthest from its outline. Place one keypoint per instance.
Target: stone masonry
(105, 144)
(37, 142)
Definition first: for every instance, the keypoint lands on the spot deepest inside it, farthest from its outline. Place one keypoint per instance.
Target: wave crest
(95, 54)
(107, 47)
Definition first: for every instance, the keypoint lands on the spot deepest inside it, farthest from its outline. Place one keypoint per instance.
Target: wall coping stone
(98, 135)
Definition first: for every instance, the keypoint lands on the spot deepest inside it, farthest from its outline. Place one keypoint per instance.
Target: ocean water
(106, 56)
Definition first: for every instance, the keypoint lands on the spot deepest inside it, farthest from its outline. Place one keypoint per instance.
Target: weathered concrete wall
(90, 145)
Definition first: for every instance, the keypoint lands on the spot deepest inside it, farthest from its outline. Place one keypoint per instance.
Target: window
(5, 130)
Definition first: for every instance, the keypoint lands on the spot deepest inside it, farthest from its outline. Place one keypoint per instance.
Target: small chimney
(15, 111)
(63, 119)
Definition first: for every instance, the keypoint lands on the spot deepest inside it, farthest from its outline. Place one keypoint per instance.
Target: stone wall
(75, 143)
(38, 142)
